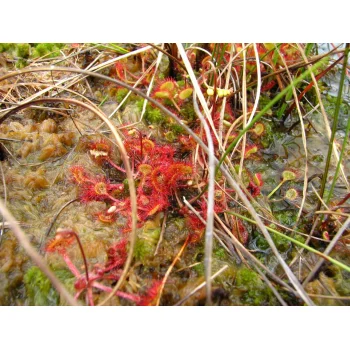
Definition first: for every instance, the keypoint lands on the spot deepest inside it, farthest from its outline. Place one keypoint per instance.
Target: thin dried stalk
(244, 111)
(210, 205)
(211, 169)
(165, 278)
(199, 287)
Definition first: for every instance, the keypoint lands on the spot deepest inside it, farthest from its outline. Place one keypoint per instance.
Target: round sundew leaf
(250, 150)
(162, 94)
(186, 93)
(288, 175)
(291, 194)
(100, 188)
(145, 169)
(167, 86)
(107, 218)
(259, 129)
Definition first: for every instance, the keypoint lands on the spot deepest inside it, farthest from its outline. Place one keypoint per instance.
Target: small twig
(177, 257)
(5, 201)
(161, 232)
(329, 297)
(201, 286)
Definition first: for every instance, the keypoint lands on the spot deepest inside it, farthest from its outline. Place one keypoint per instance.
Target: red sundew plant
(157, 171)
(131, 69)
(148, 298)
(98, 188)
(90, 280)
(79, 174)
(291, 195)
(268, 86)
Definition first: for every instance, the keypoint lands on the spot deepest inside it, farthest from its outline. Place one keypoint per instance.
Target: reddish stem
(134, 298)
(90, 296)
(67, 259)
(116, 166)
(70, 265)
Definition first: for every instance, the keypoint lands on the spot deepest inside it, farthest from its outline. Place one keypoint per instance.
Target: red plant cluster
(158, 173)
(92, 279)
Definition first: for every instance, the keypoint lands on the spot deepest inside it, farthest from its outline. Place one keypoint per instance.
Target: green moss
(120, 94)
(22, 50)
(220, 253)
(4, 47)
(247, 278)
(286, 217)
(187, 111)
(48, 50)
(181, 83)
(342, 281)
(154, 116)
(264, 100)
(254, 290)
(175, 127)
(261, 242)
(39, 289)
(267, 138)
(318, 158)
(199, 268)
(281, 243)
(300, 238)
(21, 63)
(147, 240)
